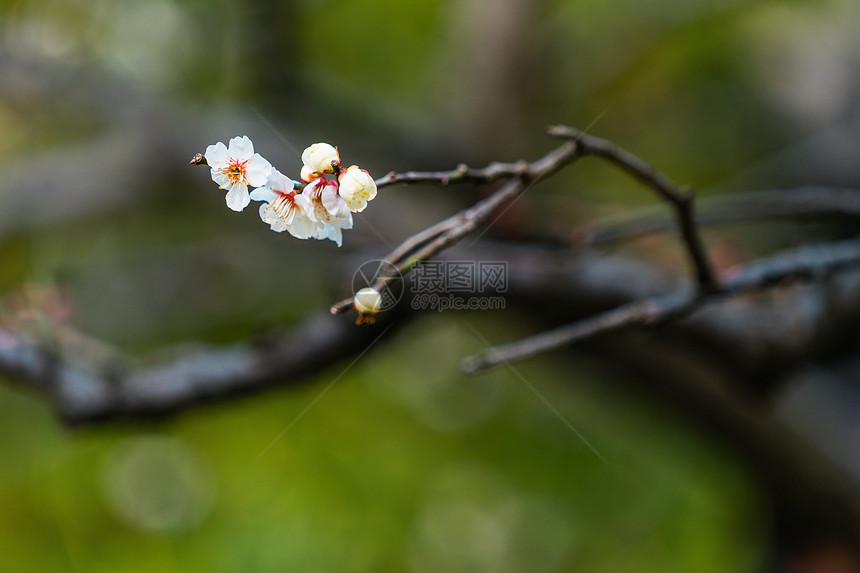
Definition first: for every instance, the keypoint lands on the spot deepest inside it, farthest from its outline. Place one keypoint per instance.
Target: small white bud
(319, 159)
(367, 301)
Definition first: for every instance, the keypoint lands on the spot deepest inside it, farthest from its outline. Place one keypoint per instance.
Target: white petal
(332, 202)
(306, 206)
(356, 206)
(321, 232)
(280, 182)
(302, 227)
(342, 222)
(258, 170)
(278, 225)
(346, 222)
(221, 179)
(342, 208)
(216, 155)
(336, 235)
(263, 194)
(268, 215)
(240, 148)
(307, 173)
(237, 197)
(329, 231)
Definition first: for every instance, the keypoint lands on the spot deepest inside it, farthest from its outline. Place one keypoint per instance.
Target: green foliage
(367, 479)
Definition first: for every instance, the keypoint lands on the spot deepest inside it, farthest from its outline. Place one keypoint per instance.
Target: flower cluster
(321, 210)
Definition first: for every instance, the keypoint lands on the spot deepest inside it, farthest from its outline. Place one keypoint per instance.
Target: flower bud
(308, 174)
(357, 187)
(367, 301)
(318, 159)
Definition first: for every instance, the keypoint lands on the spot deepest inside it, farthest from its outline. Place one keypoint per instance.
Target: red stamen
(235, 170)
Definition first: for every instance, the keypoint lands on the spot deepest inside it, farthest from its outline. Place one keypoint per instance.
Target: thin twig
(460, 174)
(681, 199)
(440, 236)
(804, 263)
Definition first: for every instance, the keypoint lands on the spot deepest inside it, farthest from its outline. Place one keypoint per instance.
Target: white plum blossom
(356, 188)
(330, 211)
(317, 160)
(283, 208)
(235, 167)
(322, 210)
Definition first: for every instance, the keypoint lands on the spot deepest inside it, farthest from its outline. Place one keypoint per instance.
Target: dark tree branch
(87, 388)
(805, 263)
(802, 203)
(88, 381)
(109, 379)
(680, 199)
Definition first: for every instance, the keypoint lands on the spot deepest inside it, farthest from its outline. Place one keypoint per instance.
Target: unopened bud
(367, 301)
(318, 159)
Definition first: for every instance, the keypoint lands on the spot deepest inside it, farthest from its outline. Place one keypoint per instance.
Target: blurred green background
(403, 464)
